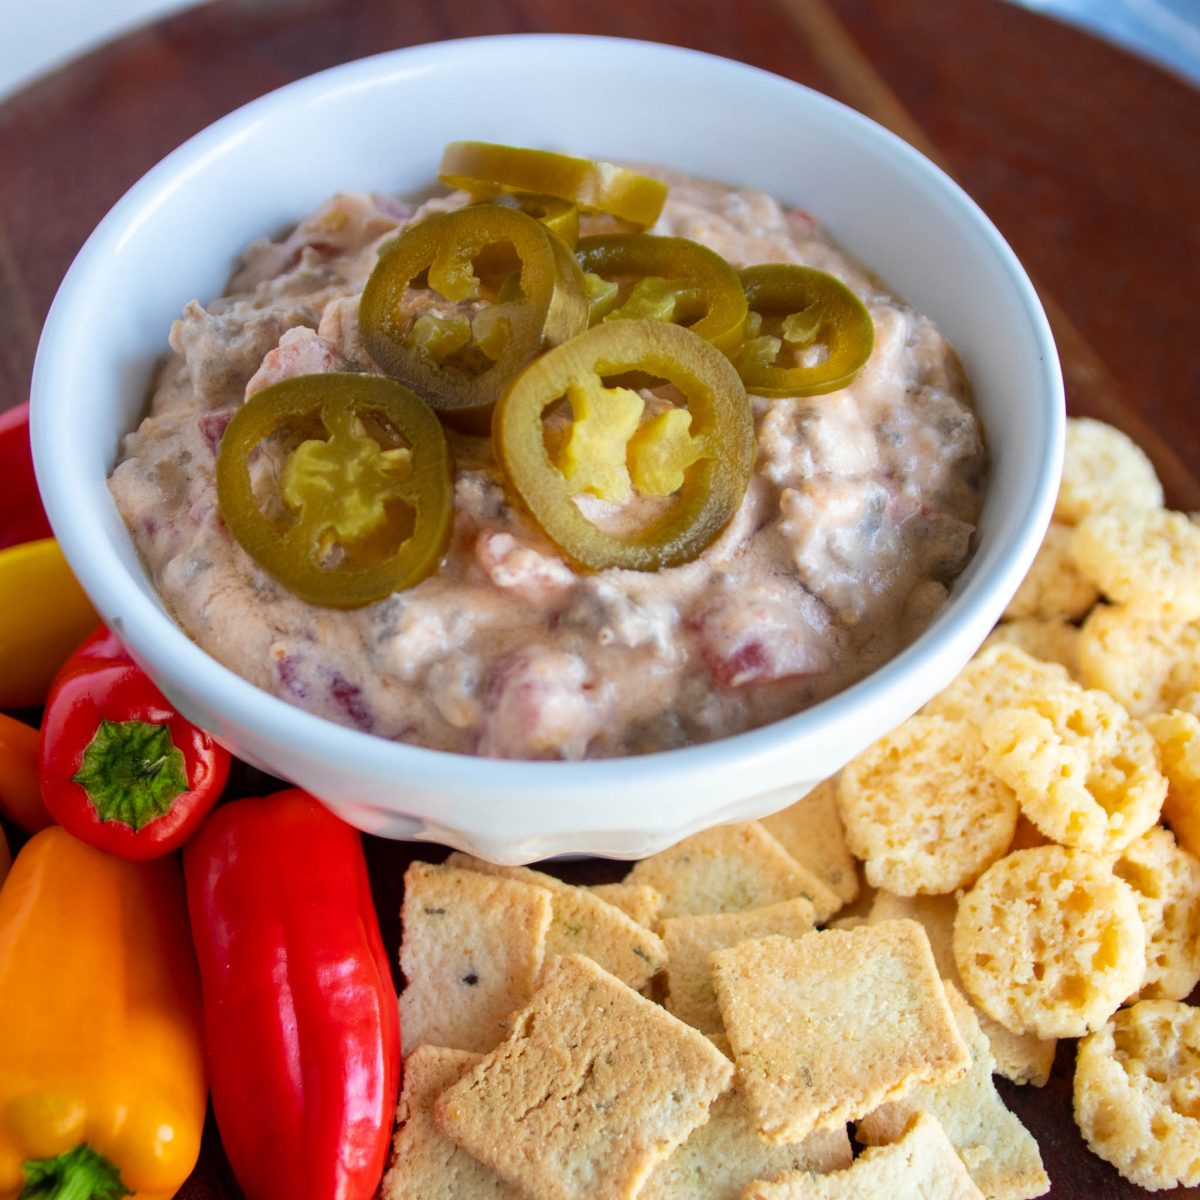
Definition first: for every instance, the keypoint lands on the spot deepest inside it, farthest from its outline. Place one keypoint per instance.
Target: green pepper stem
(79, 1174)
(132, 772)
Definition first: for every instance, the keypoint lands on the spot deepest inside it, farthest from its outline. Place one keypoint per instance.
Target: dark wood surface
(1086, 158)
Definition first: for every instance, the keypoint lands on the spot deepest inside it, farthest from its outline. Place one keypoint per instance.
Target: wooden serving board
(1086, 158)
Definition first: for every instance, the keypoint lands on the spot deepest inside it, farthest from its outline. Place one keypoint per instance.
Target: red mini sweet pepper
(120, 768)
(300, 1013)
(22, 517)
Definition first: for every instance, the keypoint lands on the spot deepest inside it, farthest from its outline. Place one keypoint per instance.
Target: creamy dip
(860, 514)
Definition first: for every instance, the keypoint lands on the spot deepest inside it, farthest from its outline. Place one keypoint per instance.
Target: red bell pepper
(120, 768)
(22, 517)
(300, 1012)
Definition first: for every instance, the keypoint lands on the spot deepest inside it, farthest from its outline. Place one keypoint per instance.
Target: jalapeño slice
(812, 308)
(485, 168)
(701, 454)
(479, 334)
(676, 280)
(364, 501)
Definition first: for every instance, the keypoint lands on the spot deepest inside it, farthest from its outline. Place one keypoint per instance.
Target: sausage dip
(860, 513)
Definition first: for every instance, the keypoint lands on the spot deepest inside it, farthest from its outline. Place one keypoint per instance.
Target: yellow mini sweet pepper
(102, 1078)
(44, 615)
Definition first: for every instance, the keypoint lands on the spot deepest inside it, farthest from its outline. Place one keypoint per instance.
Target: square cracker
(425, 1163)
(637, 900)
(828, 1026)
(1000, 1154)
(593, 1089)
(726, 1153)
(922, 1165)
(584, 923)
(729, 869)
(471, 954)
(691, 940)
(811, 831)
(1021, 1057)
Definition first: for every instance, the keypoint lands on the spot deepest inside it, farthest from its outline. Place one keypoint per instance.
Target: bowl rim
(168, 649)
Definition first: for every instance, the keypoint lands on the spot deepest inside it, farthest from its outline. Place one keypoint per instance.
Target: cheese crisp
(1049, 941)
(922, 810)
(1055, 589)
(1103, 469)
(1136, 1087)
(1085, 772)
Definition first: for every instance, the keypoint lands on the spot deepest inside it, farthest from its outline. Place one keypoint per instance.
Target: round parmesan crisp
(1149, 558)
(922, 811)
(1178, 736)
(996, 677)
(1054, 589)
(1167, 882)
(1049, 641)
(1137, 1093)
(1147, 665)
(1085, 773)
(1049, 941)
(1103, 469)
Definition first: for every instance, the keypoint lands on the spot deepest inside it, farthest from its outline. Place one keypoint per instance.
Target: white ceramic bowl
(380, 124)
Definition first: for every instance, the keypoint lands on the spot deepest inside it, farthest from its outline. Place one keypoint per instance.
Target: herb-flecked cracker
(592, 1090)
(729, 869)
(691, 940)
(828, 1026)
(1000, 1154)
(584, 923)
(1021, 1057)
(471, 953)
(726, 1154)
(811, 831)
(427, 1165)
(637, 900)
(921, 1165)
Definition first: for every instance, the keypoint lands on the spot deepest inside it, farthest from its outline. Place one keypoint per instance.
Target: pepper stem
(79, 1174)
(132, 772)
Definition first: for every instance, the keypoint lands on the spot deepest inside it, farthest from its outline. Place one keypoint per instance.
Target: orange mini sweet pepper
(20, 787)
(102, 1078)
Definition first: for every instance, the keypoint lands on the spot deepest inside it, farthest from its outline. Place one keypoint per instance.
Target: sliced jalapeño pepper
(485, 169)
(701, 454)
(428, 319)
(361, 508)
(675, 279)
(793, 308)
(561, 217)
